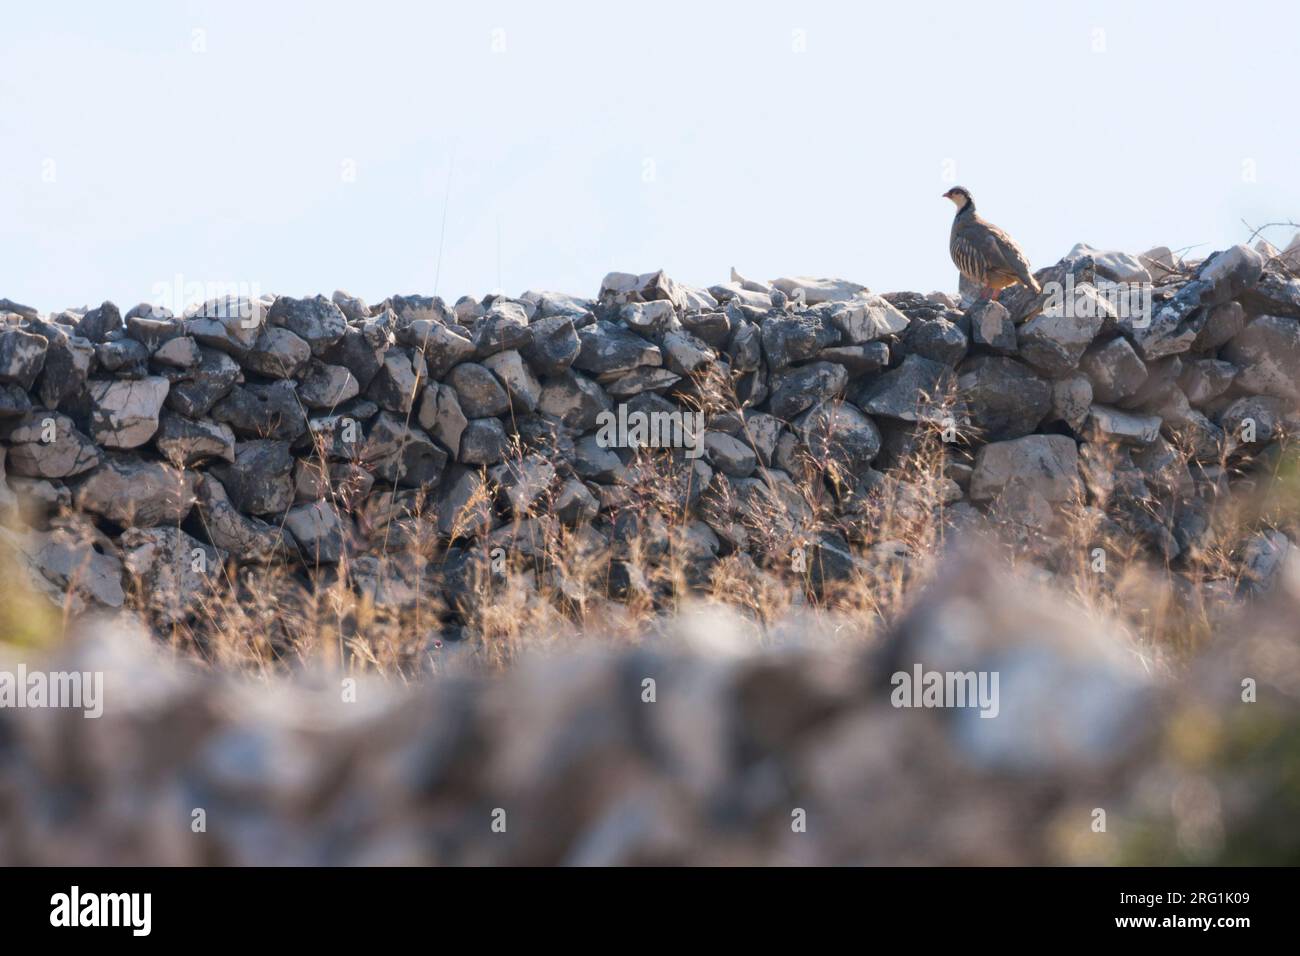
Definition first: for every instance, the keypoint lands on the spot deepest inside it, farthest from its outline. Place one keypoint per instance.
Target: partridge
(984, 254)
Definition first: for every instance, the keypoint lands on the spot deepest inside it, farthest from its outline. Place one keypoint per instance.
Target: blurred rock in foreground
(792, 755)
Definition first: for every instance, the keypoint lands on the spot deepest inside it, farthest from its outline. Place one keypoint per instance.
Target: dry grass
(536, 581)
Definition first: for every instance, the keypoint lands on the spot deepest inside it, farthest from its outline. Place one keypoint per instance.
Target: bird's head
(960, 197)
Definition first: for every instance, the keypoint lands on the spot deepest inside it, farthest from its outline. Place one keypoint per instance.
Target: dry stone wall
(320, 432)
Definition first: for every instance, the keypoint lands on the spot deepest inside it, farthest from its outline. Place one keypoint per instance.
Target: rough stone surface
(22, 356)
(97, 324)
(258, 481)
(574, 400)
(1106, 423)
(1267, 351)
(441, 416)
(837, 432)
(1114, 369)
(867, 319)
(554, 345)
(401, 375)
(523, 389)
(75, 566)
(245, 538)
(177, 571)
(797, 390)
(195, 390)
(48, 445)
(1045, 464)
(401, 455)
(611, 349)
(1056, 343)
(68, 360)
(257, 410)
(124, 414)
(230, 324)
(937, 340)
(730, 455)
(132, 493)
(1072, 399)
(480, 393)
(1004, 398)
(445, 348)
(317, 321)
(327, 386)
(793, 338)
(317, 529)
(915, 391)
(187, 443)
(991, 327)
(484, 442)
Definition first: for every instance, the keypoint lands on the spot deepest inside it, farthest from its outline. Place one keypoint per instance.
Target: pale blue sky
(685, 136)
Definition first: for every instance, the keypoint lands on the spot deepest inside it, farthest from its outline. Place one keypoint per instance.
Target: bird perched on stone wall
(984, 254)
